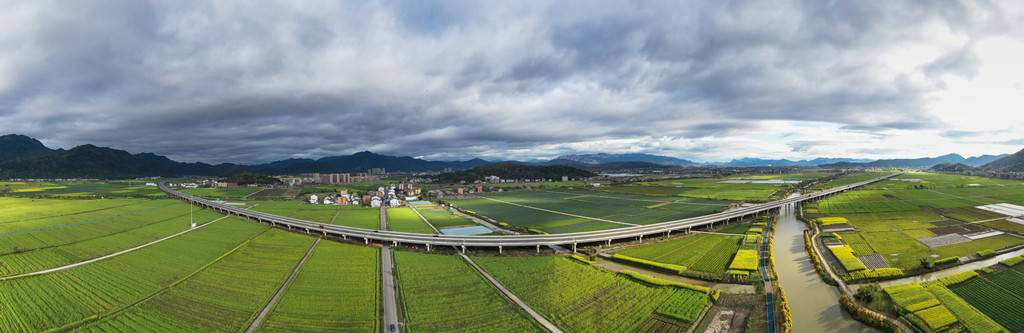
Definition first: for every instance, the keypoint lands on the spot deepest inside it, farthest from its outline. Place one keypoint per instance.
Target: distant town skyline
(708, 81)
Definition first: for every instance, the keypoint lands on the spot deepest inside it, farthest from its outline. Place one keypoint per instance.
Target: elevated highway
(463, 241)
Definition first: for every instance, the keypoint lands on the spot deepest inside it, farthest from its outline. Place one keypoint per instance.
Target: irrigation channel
(813, 303)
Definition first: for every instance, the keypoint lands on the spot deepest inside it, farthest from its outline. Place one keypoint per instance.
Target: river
(813, 303)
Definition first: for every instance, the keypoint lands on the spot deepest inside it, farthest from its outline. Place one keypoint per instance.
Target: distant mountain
(952, 167)
(86, 161)
(509, 170)
(363, 161)
(199, 168)
(608, 165)
(633, 157)
(282, 163)
(14, 146)
(1009, 163)
(983, 159)
(746, 161)
(926, 162)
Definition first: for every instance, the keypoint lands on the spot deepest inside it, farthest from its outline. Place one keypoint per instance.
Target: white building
(313, 199)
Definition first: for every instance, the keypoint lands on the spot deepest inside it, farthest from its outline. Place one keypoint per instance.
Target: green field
(405, 219)
(326, 296)
(442, 218)
(625, 208)
(702, 252)
(444, 294)
(219, 193)
(607, 302)
(82, 189)
(221, 297)
(1000, 296)
(41, 302)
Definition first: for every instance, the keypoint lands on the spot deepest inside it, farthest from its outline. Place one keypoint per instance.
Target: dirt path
(280, 291)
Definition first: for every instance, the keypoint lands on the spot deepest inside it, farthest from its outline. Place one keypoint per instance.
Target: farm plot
(326, 296)
(72, 252)
(42, 302)
(607, 302)
(405, 219)
(703, 252)
(623, 208)
(219, 193)
(442, 218)
(444, 294)
(928, 304)
(366, 218)
(54, 231)
(996, 302)
(86, 189)
(14, 209)
(222, 297)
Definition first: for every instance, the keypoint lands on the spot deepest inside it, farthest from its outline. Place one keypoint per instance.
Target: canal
(813, 303)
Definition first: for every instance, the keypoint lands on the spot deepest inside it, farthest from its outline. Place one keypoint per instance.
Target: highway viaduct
(499, 242)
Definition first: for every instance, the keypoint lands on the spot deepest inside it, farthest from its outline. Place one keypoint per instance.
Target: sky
(258, 81)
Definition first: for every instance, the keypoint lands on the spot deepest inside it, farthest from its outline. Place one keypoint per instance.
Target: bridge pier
(428, 247)
(609, 242)
(325, 233)
(307, 231)
(538, 249)
(573, 247)
(463, 249)
(641, 239)
(499, 249)
(366, 241)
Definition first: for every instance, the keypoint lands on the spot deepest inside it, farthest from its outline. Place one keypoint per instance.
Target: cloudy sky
(256, 81)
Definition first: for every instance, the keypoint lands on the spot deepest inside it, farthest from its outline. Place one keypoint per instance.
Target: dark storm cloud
(254, 82)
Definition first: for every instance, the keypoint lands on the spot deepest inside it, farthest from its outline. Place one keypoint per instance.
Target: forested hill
(507, 170)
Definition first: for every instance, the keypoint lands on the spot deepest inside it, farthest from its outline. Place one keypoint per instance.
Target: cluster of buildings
(374, 174)
(390, 196)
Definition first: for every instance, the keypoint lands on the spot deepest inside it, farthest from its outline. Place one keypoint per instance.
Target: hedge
(662, 282)
(675, 269)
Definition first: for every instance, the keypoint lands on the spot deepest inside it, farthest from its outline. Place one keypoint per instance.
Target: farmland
(442, 218)
(999, 295)
(220, 193)
(758, 189)
(707, 253)
(327, 297)
(625, 208)
(405, 219)
(890, 218)
(37, 303)
(442, 293)
(612, 302)
(82, 189)
(221, 297)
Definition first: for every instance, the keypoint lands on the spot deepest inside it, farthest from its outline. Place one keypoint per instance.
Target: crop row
(224, 296)
(444, 294)
(921, 298)
(578, 297)
(847, 259)
(744, 260)
(338, 289)
(41, 302)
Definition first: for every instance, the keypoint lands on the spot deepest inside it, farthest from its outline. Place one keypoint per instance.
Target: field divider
(182, 279)
(80, 223)
(515, 299)
(557, 212)
(425, 220)
(56, 269)
(280, 291)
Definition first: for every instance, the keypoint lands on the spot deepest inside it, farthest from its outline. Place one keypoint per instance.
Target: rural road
(388, 294)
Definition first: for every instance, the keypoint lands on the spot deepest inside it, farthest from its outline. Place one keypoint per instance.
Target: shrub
(986, 253)
(945, 260)
(662, 282)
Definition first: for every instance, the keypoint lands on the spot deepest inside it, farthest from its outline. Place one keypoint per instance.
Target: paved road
(627, 232)
(280, 291)
(389, 296)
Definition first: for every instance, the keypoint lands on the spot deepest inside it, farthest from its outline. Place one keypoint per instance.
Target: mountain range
(25, 157)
